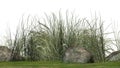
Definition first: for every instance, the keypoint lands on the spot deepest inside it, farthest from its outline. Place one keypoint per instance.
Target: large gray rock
(114, 56)
(5, 53)
(77, 55)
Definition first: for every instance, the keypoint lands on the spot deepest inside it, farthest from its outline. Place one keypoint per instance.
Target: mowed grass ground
(57, 65)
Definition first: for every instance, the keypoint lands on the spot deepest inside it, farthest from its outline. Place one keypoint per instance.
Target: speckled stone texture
(5, 53)
(77, 55)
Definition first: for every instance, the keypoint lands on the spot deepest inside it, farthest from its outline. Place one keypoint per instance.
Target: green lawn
(57, 65)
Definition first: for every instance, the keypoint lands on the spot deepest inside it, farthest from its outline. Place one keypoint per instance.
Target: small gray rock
(77, 55)
(5, 53)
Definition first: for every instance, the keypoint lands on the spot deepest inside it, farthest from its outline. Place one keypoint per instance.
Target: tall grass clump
(116, 34)
(48, 39)
(93, 39)
(19, 45)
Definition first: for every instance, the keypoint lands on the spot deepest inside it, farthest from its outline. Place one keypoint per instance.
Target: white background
(11, 11)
